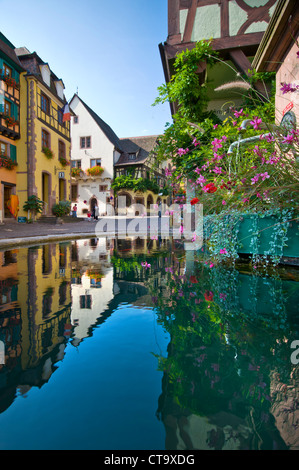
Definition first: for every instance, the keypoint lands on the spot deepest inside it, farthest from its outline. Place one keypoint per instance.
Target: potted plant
(33, 206)
(61, 209)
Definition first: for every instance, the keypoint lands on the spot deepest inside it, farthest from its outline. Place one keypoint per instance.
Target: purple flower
(288, 88)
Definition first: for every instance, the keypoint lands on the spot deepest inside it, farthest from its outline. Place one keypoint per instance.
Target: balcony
(9, 126)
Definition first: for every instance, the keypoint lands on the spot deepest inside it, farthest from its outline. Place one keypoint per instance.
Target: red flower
(209, 296)
(210, 188)
(193, 201)
(193, 280)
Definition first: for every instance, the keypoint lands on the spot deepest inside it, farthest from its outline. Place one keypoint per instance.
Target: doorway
(46, 192)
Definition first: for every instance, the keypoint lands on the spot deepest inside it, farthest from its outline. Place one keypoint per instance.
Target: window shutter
(13, 152)
(14, 110)
(1, 64)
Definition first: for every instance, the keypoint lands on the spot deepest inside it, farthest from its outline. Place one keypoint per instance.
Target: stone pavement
(14, 234)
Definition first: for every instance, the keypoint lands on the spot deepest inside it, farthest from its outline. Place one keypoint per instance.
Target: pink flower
(256, 122)
(211, 265)
(223, 202)
(194, 237)
(223, 251)
(217, 143)
(181, 229)
(237, 114)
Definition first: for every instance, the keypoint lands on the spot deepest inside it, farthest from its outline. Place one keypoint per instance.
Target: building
(236, 28)
(95, 148)
(10, 132)
(135, 177)
(278, 52)
(46, 170)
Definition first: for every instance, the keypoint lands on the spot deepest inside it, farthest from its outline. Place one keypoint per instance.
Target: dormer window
(59, 88)
(46, 74)
(132, 156)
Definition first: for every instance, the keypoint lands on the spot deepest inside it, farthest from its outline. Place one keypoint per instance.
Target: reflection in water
(228, 379)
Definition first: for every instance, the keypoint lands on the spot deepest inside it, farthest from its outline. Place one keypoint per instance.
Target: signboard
(61, 174)
(22, 220)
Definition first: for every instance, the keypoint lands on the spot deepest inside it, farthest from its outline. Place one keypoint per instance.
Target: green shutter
(1, 64)
(13, 152)
(14, 111)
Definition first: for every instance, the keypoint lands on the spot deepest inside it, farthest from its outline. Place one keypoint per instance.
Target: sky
(106, 51)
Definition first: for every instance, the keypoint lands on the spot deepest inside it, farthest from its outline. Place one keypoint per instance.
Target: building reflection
(34, 316)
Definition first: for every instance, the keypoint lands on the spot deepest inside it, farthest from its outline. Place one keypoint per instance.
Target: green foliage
(34, 205)
(184, 87)
(140, 184)
(62, 208)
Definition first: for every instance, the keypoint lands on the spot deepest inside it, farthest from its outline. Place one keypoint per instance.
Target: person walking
(74, 213)
(96, 212)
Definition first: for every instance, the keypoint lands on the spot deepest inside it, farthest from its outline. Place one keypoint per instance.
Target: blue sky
(108, 50)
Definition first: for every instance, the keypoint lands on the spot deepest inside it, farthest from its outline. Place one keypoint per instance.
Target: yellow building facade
(10, 132)
(45, 140)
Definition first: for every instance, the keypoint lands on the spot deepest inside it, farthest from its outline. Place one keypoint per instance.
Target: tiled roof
(141, 146)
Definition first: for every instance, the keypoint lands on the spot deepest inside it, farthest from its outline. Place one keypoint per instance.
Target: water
(104, 353)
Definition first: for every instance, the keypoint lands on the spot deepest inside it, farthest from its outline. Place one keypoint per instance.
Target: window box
(10, 121)
(7, 162)
(64, 162)
(48, 153)
(75, 171)
(95, 171)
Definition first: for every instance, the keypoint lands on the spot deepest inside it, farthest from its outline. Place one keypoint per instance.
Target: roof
(141, 146)
(31, 63)
(9, 51)
(110, 134)
(278, 37)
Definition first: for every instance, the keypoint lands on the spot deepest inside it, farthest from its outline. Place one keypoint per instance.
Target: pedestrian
(96, 212)
(74, 213)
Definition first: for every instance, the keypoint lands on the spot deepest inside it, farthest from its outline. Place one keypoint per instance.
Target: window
(3, 149)
(103, 188)
(7, 108)
(85, 301)
(85, 142)
(45, 103)
(76, 119)
(6, 70)
(74, 192)
(132, 156)
(76, 163)
(95, 162)
(60, 117)
(45, 139)
(61, 149)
